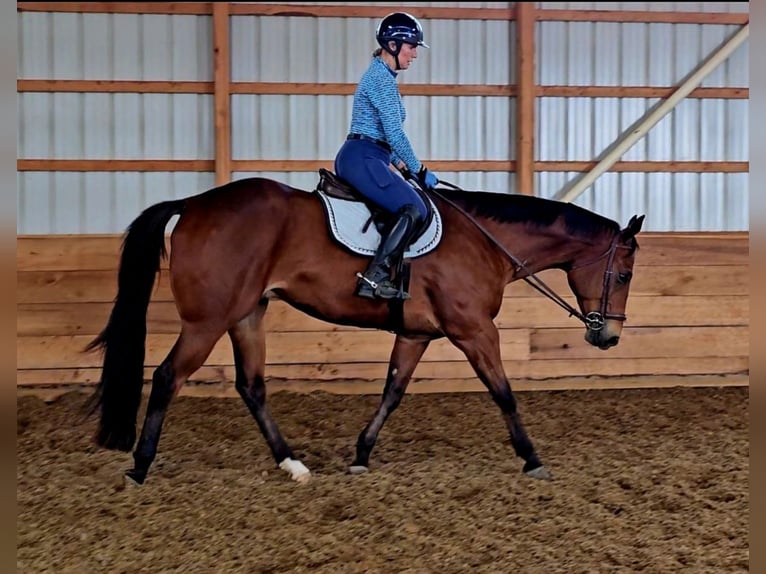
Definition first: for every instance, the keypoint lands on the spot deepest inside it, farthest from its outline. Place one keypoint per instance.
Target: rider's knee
(414, 212)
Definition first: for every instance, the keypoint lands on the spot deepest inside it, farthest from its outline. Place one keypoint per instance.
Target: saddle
(335, 186)
(350, 214)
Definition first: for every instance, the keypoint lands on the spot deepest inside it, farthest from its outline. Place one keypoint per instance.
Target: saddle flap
(334, 186)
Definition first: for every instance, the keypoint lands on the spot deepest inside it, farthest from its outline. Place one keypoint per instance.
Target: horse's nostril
(613, 341)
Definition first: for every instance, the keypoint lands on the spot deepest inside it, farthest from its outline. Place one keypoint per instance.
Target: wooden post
(525, 101)
(222, 92)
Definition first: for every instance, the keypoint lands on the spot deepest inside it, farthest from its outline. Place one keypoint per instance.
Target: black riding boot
(376, 281)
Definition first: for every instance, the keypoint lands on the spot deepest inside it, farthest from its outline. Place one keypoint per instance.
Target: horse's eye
(623, 278)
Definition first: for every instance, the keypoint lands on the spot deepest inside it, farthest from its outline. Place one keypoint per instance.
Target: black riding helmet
(401, 28)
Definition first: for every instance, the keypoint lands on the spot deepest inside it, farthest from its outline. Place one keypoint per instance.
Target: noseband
(593, 321)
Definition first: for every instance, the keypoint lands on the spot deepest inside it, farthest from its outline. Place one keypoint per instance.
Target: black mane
(537, 211)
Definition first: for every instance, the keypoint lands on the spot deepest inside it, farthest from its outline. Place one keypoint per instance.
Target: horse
(237, 246)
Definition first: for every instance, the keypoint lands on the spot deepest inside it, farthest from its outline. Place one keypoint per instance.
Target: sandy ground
(644, 481)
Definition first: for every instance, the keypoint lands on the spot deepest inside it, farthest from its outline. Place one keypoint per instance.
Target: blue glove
(426, 179)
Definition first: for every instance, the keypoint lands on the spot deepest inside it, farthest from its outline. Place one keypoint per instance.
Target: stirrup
(370, 289)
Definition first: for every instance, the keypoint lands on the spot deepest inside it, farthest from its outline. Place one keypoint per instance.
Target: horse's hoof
(298, 472)
(357, 469)
(135, 476)
(541, 473)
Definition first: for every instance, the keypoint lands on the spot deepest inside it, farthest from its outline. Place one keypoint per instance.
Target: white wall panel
(299, 49)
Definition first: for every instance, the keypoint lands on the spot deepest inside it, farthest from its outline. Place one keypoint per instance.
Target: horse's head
(601, 283)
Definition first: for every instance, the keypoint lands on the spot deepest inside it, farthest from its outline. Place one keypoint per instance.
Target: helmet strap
(394, 53)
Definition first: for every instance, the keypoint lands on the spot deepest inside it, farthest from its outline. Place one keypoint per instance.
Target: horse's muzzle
(601, 339)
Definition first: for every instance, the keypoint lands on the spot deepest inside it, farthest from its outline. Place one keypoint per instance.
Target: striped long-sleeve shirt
(378, 112)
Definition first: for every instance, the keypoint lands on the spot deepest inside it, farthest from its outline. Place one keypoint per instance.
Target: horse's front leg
(248, 339)
(482, 348)
(405, 356)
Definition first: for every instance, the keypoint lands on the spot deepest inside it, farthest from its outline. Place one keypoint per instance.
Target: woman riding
(377, 139)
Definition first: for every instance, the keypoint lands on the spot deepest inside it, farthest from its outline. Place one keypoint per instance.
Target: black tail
(118, 394)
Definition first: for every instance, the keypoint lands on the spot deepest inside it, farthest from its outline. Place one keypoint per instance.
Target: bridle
(594, 320)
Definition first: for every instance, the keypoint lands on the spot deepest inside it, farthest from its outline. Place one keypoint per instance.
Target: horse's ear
(634, 226)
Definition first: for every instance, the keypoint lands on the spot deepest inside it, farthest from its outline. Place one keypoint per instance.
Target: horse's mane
(536, 211)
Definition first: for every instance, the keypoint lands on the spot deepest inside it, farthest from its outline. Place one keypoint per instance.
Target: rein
(594, 320)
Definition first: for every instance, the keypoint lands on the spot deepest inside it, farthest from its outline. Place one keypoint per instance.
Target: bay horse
(237, 246)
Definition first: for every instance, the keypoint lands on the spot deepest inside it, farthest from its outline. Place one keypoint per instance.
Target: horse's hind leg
(248, 338)
(482, 349)
(188, 354)
(405, 356)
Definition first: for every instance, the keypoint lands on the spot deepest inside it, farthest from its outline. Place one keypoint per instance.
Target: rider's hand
(426, 178)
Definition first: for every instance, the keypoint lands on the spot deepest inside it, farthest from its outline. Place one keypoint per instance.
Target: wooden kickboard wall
(688, 318)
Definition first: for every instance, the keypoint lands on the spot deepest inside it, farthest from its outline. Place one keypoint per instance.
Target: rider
(376, 139)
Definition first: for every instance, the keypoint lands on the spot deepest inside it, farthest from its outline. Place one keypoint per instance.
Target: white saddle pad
(347, 219)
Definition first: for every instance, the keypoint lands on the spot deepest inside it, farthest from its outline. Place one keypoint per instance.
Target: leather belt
(381, 143)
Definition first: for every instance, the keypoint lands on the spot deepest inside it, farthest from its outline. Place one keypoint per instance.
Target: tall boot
(376, 281)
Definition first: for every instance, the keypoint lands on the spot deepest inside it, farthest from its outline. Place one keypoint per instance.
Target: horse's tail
(118, 393)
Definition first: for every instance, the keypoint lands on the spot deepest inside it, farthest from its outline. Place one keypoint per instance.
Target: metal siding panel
(579, 129)
(128, 40)
(98, 47)
(659, 140)
(712, 37)
(712, 133)
(579, 54)
(737, 66)
(686, 123)
(551, 62)
(659, 198)
(35, 125)
(685, 202)
(737, 130)
(35, 203)
(35, 45)
(67, 130)
(331, 44)
(273, 46)
(500, 128)
(98, 214)
(273, 119)
(631, 111)
(129, 123)
(736, 202)
(68, 203)
(606, 123)
(302, 127)
(607, 52)
(712, 204)
(633, 40)
(98, 126)
(303, 57)
(552, 129)
(661, 70)
(334, 116)
(66, 30)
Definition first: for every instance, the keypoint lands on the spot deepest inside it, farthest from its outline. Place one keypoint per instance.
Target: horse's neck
(543, 248)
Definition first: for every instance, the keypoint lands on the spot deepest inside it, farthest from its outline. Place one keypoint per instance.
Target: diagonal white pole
(665, 108)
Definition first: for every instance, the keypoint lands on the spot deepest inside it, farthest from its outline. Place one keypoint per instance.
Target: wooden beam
(366, 11)
(361, 10)
(263, 9)
(301, 165)
(341, 89)
(649, 166)
(638, 92)
(114, 86)
(188, 8)
(642, 16)
(222, 97)
(525, 105)
(287, 165)
(115, 165)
